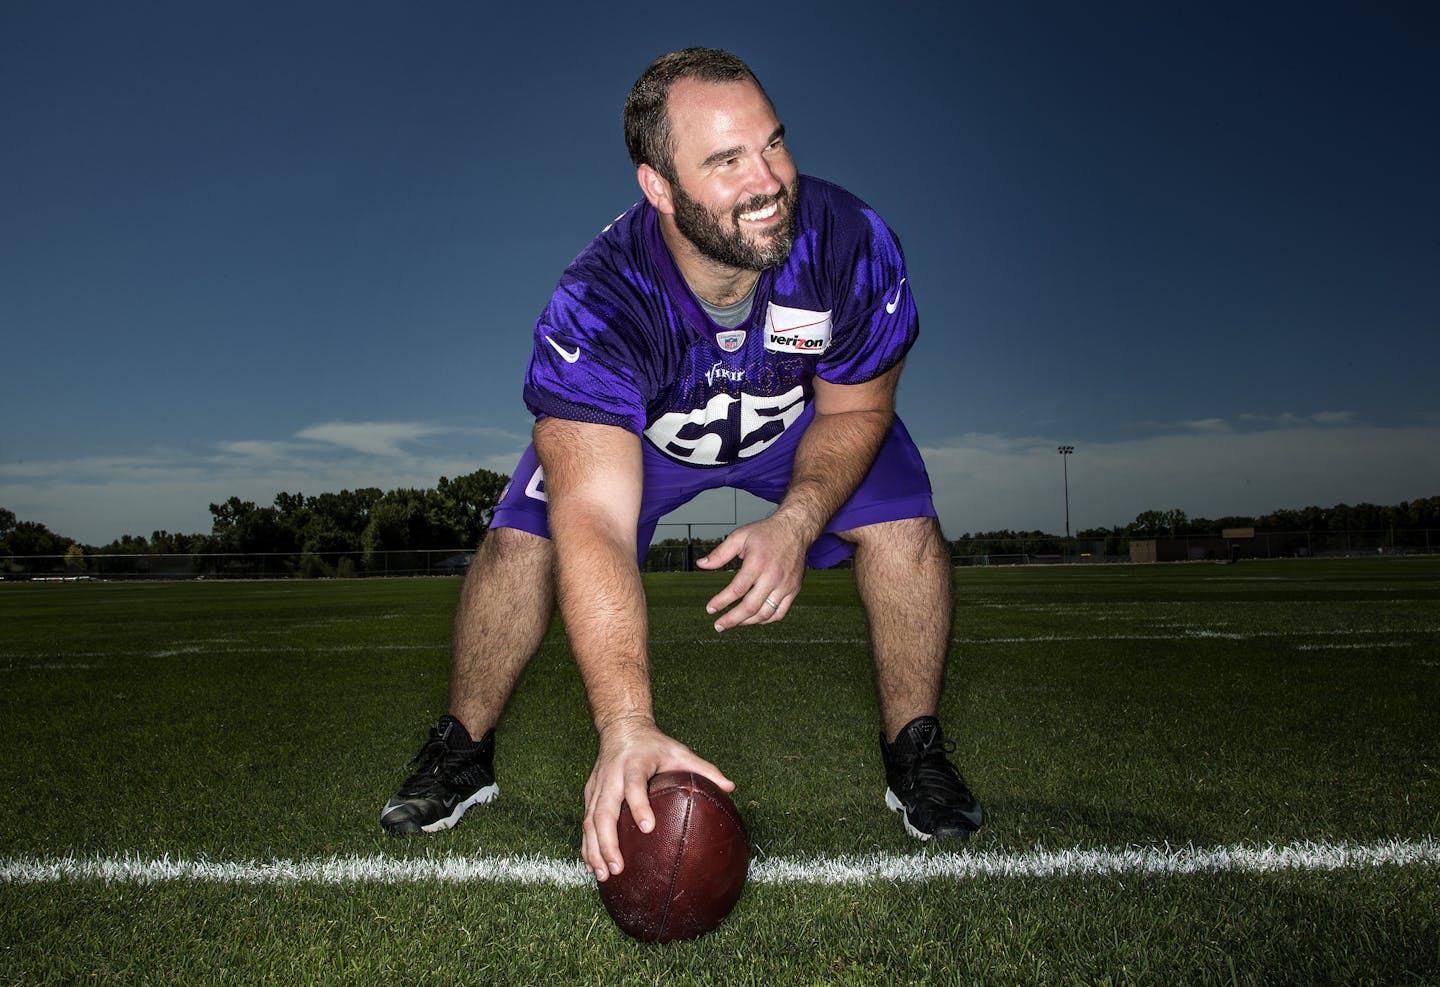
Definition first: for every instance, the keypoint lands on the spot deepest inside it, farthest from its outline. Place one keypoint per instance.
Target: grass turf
(1093, 707)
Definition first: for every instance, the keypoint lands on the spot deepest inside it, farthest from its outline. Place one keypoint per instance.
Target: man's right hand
(632, 751)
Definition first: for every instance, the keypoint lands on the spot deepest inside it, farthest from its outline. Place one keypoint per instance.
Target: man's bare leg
(504, 610)
(505, 607)
(903, 575)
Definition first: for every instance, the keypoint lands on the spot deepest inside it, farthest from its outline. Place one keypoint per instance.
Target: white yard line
(844, 870)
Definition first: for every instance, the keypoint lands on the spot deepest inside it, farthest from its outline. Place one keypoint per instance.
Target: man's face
(736, 186)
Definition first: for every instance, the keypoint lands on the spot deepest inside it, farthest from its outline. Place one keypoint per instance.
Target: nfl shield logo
(731, 341)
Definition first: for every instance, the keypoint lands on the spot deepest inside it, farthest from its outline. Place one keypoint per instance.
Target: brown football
(682, 878)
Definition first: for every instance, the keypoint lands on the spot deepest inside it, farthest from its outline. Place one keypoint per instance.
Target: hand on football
(632, 751)
(772, 567)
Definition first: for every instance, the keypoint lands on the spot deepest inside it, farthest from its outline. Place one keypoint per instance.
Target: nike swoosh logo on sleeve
(894, 303)
(570, 357)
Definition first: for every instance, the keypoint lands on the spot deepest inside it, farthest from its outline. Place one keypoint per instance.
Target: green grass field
(1246, 757)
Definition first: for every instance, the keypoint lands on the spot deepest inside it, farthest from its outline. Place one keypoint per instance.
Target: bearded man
(740, 326)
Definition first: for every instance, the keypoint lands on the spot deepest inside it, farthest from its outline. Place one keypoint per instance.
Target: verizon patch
(796, 330)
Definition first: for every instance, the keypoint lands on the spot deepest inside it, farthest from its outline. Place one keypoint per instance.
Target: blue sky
(257, 247)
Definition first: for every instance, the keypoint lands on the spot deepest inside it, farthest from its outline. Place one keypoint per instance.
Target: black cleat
(454, 774)
(925, 788)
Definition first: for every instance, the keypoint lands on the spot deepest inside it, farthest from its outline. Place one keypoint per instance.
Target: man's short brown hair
(648, 136)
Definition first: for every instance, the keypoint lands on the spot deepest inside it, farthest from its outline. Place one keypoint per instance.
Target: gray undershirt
(730, 316)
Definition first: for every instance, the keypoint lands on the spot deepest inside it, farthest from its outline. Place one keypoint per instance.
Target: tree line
(360, 525)
(352, 524)
(1411, 515)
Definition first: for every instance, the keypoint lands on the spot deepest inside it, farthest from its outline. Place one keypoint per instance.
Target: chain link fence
(680, 558)
(237, 565)
(1197, 548)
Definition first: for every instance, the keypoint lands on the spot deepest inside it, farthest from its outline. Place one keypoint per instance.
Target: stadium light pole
(1065, 452)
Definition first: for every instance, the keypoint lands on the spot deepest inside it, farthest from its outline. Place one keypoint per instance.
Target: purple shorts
(896, 487)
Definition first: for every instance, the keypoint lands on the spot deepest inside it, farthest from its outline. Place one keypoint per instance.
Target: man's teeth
(759, 214)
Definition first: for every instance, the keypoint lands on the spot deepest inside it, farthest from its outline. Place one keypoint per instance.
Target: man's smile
(763, 213)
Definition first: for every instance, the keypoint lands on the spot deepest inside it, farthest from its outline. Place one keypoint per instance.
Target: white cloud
(1207, 425)
(255, 449)
(1291, 420)
(96, 499)
(981, 482)
(372, 438)
(984, 483)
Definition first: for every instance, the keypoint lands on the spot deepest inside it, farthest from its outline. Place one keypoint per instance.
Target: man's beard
(721, 238)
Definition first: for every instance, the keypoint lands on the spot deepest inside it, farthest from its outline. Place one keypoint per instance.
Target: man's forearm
(593, 480)
(603, 604)
(832, 458)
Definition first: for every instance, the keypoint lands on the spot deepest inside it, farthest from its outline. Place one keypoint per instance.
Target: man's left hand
(772, 567)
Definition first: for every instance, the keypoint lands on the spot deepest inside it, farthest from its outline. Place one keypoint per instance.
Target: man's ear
(656, 188)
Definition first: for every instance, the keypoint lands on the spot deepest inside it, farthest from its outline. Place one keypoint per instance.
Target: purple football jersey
(624, 342)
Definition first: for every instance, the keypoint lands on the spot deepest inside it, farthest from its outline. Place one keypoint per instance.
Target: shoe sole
(481, 796)
(486, 794)
(896, 805)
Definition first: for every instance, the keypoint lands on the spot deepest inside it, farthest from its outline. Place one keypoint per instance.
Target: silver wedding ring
(771, 603)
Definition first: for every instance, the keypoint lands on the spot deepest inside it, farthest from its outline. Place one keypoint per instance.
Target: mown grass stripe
(50, 659)
(853, 870)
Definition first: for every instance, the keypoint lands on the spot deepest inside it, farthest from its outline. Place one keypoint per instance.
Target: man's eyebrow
(720, 157)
